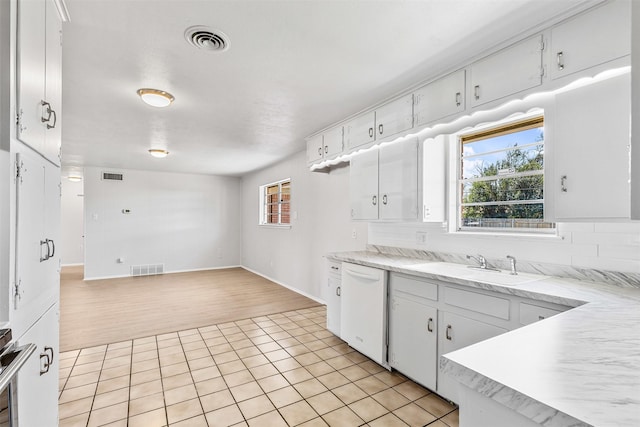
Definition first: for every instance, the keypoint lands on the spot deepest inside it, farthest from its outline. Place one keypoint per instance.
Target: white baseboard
(298, 291)
(166, 272)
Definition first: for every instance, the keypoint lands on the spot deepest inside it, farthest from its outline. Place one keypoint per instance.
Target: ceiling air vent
(205, 38)
(109, 176)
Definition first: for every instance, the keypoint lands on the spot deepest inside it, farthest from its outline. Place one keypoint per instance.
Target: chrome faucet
(512, 260)
(482, 262)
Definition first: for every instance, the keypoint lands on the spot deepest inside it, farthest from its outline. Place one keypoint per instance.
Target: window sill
(516, 235)
(282, 226)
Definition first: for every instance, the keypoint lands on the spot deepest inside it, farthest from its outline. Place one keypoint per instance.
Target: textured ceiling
(293, 67)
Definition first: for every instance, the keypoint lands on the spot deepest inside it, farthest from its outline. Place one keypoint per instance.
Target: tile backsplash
(605, 252)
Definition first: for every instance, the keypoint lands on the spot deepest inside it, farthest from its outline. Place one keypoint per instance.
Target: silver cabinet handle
(333, 267)
(380, 129)
(52, 247)
(430, 325)
(458, 99)
(319, 151)
(374, 200)
(370, 132)
(384, 199)
(50, 112)
(563, 183)
(476, 92)
(540, 317)
(338, 291)
(44, 368)
(326, 149)
(49, 350)
(560, 60)
(448, 333)
(46, 255)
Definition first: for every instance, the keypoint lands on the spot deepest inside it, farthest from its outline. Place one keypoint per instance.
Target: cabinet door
(360, 130)
(433, 179)
(455, 333)
(590, 153)
(440, 99)
(53, 83)
(333, 142)
(333, 303)
(412, 340)
(314, 149)
(394, 117)
(363, 185)
(398, 180)
(37, 381)
(31, 72)
(590, 39)
(507, 72)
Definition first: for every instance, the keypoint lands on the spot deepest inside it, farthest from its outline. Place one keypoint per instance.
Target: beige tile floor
(279, 370)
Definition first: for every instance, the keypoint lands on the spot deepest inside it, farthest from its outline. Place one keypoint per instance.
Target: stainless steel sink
(459, 271)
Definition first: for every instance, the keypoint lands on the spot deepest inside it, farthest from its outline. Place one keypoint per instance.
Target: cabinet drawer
(414, 286)
(480, 303)
(334, 267)
(530, 313)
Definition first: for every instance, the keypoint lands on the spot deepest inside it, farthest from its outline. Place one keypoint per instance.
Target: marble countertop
(578, 368)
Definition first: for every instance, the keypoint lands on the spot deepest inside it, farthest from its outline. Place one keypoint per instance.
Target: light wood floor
(108, 311)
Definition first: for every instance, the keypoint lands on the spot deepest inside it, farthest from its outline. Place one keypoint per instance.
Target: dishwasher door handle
(362, 275)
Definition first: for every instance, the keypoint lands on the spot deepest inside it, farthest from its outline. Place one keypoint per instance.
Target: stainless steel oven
(12, 358)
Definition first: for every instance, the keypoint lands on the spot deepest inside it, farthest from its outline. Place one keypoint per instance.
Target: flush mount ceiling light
(74, 178)
(158, 152)
(155, 97)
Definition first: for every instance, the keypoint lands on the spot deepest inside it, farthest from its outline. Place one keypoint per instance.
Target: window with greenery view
(502, 178)
(276, 203)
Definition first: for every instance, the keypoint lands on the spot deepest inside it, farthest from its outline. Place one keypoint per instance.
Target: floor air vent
(147, 269)
(109, 176)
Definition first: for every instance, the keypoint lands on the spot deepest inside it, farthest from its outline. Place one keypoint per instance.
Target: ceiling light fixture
(155, 97)
(158, 152)
(74, 178)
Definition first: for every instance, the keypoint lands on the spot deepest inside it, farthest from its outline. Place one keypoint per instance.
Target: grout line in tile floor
(283, 369)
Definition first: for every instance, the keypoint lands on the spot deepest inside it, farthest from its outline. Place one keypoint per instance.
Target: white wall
(294, 257)
(187, 222)
(72, 223)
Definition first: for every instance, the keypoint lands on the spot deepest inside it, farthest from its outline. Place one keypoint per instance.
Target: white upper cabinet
(384, 183)
(315, 149)
(600, 35)
(398, 181)
(360, 131)
(363, 185)
(39, 62)
(394, 117)
(333, 143)
(507, 72)
(325, 146)
(589, 140)
(433, 179)
(440, 99)
(387, 120)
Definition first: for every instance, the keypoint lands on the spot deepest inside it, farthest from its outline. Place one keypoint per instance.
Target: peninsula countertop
(578, 368)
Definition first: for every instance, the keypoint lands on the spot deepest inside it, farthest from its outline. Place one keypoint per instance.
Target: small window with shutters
(275, 203)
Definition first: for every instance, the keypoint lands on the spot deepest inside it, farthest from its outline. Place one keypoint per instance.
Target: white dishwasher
(363, 313)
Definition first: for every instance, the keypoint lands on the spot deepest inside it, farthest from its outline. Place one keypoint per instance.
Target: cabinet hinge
(16, 293)
(20, 170)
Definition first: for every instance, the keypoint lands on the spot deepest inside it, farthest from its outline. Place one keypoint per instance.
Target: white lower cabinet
(413, 340)
(332, 296)
(37, 381)
(456, 332)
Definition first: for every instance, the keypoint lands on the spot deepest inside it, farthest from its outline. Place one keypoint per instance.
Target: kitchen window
(275, 202)
(501, 179)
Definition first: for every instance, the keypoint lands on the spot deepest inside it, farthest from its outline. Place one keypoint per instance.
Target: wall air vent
(205, 38)
(147, 270)
(110, 176)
